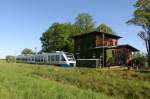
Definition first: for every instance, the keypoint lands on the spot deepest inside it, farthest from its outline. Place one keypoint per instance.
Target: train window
(41, 59)
(70, 56)
(27, 59)
(57, 57)
(32, 58)
(49, 58)
(62, 58)
(52, 58)
(36, 59)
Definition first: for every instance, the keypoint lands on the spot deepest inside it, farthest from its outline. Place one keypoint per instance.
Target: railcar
(54, 58)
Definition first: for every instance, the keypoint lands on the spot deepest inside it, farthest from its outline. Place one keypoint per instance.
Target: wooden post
(103, 49)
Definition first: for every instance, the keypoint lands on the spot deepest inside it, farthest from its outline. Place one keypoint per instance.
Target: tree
(141, 18)
(141, 58)
(10, 59)
(57, 37)
(138, 54)
(27, 51)
(105, 28)
(84, 23)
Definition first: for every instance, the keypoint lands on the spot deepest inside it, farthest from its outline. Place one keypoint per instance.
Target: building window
(78, 48)
(78, 55)
(105, 43)
(94, 56)
(111, 43)
(116, 43)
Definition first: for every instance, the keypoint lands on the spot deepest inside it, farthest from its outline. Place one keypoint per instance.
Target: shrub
(10, 59)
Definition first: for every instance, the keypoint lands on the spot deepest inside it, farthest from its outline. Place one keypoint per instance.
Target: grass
(23, 81)
(19, 81)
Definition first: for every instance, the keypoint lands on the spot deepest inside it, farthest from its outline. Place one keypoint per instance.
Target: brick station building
(99, 49)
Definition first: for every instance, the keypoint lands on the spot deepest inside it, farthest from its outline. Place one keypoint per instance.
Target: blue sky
(22, 22)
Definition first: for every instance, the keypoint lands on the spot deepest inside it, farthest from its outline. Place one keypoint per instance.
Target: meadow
(26, 81)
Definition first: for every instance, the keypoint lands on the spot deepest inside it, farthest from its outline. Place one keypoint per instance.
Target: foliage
(10, 59)
(27, 51)
(142, 18)
(84, 23)
(141, 58)
(142, 61)
(116, 83)
(57, 37)
(105, 28)
(138, 54)
(109, 55)
(21, 82)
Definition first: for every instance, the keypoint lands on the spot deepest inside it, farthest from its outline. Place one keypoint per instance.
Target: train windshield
(70, 56)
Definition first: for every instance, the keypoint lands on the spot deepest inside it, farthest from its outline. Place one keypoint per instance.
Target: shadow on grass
(144, 71)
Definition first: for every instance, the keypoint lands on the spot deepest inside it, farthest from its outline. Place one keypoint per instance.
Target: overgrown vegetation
(117, 83)
(141, 58)
(27, 51)
(141, 17)
(39, 81)
(19, 81)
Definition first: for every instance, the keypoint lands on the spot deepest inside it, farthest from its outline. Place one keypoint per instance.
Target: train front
(70, 59)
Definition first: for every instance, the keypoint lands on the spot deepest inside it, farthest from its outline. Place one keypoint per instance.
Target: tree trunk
(148, 60)
(148, 52)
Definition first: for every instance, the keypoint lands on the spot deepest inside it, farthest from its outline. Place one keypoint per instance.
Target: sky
(22, 22)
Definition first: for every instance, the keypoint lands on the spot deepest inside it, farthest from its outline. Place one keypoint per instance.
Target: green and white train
(54, 58)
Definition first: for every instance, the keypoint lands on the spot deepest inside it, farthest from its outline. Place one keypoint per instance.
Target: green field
(22, 81)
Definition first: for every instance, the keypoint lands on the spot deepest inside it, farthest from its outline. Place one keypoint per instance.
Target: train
(58, 58)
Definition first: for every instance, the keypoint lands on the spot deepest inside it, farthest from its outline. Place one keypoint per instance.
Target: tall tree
(84, 23)
(141, 18)
(105, 28)
(57, 37)
(27, 51)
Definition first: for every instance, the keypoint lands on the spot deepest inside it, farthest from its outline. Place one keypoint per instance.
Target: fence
(95, 63)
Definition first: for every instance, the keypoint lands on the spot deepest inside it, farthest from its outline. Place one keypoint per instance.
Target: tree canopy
(58, 36)
(141, 17)
(105, 28)
(84, 23)
(27, 51)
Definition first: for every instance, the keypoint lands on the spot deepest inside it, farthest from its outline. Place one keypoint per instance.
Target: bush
(10, 59)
